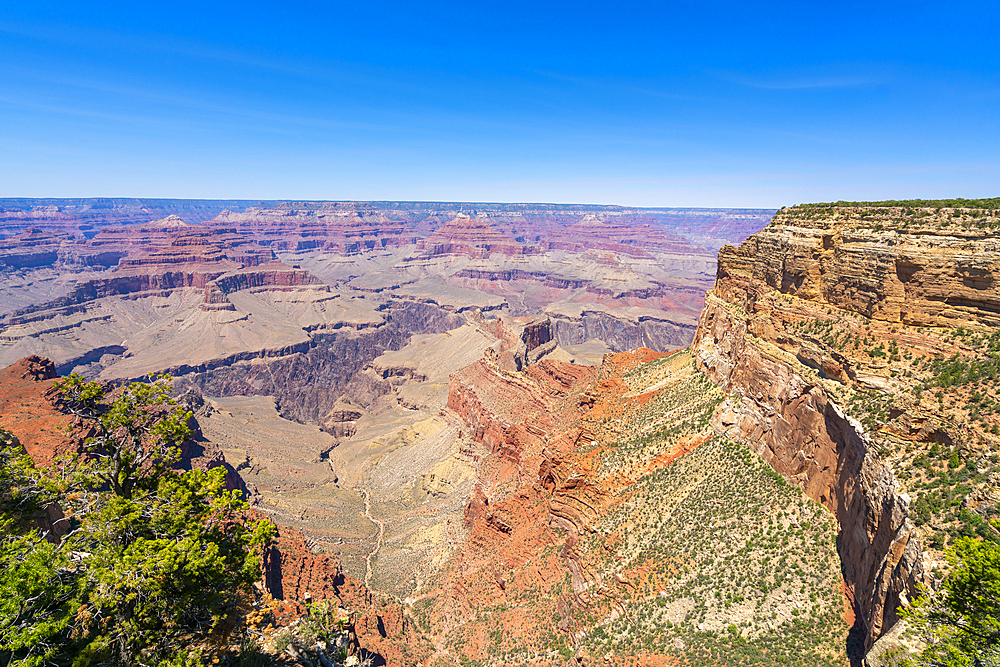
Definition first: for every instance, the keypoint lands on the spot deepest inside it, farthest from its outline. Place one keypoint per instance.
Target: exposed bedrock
(93, 290)
(308, 379)
(514, 413)
(875, 271)
(803, 434)
(935, 267)
(622, 334)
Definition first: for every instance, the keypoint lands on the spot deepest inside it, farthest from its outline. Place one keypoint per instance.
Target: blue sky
(659, 104)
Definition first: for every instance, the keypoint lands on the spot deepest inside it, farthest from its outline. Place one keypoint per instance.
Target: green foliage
(324, 634)
(149, 559)
(961, 623)
(37, 598)
(955, 371)
(138, 433)
(912, 203)
(23, 491)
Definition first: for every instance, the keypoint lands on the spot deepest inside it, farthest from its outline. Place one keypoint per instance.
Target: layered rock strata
(343, 228)
(621, 334)
(307, 379)
(858, 272)
(474, 237)
(922, 268)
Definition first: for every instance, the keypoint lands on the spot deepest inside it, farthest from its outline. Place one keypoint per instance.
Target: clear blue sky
(660, 104)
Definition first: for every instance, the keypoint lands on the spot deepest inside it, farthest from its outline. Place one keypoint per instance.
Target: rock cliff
(308, 378)
(832, 310)
(343, 228)
(474, 237)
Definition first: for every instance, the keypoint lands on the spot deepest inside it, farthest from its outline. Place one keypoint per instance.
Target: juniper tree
(148, 559)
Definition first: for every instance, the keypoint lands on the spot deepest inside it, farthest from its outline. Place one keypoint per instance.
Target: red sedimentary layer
(619, 237)
(31, 248)
(222, 248)
(473, 237)
(338, 228)
(29, 409)
(296, 575)
(511, 412)
(540, 490)
(170, 254)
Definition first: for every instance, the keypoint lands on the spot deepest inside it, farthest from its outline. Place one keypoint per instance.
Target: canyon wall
(795, 425)
(859, 271)
(621, 334)
(307, 379)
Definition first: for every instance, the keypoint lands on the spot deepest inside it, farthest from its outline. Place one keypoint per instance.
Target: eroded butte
(323, 336)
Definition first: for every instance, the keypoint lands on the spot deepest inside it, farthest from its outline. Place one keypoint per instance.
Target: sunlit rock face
(794, 331)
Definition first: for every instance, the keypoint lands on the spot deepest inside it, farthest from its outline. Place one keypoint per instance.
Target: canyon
(542, 434)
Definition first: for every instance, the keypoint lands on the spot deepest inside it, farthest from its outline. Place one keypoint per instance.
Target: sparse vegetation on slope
(683, 548)
(735, 566)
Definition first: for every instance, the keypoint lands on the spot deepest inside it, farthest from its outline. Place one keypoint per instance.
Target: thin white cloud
(616, 85)
(803, 80)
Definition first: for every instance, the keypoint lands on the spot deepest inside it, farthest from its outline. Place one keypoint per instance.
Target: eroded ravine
(378, 539)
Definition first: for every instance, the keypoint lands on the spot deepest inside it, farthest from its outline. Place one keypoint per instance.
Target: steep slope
(607, 524)
(470, 236)
(293, 569)
(342, 228)
(825, 330)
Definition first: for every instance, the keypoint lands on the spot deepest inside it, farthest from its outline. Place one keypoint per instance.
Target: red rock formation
(473, 237)
(619, 236)
(29, 409)
(511, 412)
(170, 254)
(537, 495)
(297, 575)
(31, 248)
(784, 388)
(338, 227)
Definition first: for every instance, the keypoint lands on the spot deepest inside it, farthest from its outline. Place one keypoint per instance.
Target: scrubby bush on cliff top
(149, 560)
(961, 622)
(911, 203)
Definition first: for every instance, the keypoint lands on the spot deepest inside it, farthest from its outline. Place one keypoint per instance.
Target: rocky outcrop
(29, 408)
(925, 267)
(620, 236)
(795, 425)
(510, 412)
(306, 382)
(308, 378)
(786, 389)
(474, 237)
(295, 572)
(31, 248)
(171, 254)
(344, 228)
(621, 334)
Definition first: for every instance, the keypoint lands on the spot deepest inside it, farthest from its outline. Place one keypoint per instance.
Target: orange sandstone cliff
(825, 311)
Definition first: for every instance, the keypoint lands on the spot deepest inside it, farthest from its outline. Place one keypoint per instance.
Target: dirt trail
(378, 541)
